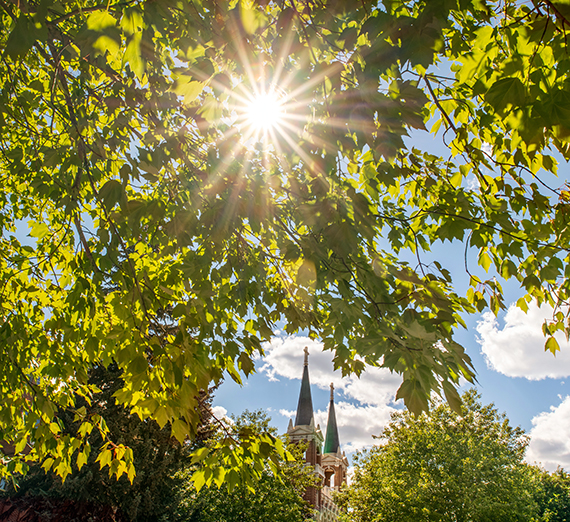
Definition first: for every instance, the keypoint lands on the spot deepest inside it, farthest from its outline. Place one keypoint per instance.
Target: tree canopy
(156, 457)
(169, 237)
(276, 498)
(552, 495)
(163, 489)
(445, 466)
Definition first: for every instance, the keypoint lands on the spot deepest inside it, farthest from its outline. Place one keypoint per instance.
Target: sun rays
(272, 109)
(266, 116)
(264, 112)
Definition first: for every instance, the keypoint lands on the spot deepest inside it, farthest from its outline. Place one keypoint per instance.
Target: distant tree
(443, 466)
(276, 499)
(552, 495)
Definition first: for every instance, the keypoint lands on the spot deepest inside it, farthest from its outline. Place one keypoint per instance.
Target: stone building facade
(329, 463)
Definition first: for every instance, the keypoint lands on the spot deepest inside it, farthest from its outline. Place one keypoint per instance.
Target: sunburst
(271, 112)
(265, 112)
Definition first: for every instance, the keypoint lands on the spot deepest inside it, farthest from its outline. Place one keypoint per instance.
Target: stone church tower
(305, 430)
(334, 464)
(330, 466)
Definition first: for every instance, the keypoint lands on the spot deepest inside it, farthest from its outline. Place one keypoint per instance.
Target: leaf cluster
(275, 497)
(551, 494)
(161, 239)
(156, 455)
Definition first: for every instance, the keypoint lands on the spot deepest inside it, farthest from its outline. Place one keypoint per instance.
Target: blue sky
(513, 371)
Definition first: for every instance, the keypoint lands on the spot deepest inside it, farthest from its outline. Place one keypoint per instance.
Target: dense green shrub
(157, 458)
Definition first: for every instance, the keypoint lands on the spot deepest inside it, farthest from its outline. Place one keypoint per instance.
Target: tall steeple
(329, 467)
(332, 443)
(333, 461)
(304, 415)
(306, 432)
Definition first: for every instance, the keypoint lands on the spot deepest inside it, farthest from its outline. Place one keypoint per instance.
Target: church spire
(332, 443)
(305, 407)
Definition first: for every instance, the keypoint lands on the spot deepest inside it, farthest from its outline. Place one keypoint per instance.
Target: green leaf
(82, 457)
(211, 110)
(104, 458)
(48, 463)
(132, 21)
(20, 446)
(485, 261)
(456, 179)
(133, 56)
(138, 365)
(39, 230)
(161, 417)
(218, 476)
(199, 479)
(180, 430)
(22, 38)
(190, 90)
(506, 93)
(112, 193)
(508, 269)
(552, 345)
(414, 396)
(200, 454)
(453, 398)
(522, 304)
(100, 20)
(245, 363)
(250, 17)
(108, 45)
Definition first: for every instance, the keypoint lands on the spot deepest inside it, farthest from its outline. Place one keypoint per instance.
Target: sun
(264, 112)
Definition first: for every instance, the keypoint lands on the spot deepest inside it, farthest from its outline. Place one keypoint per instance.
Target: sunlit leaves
(505, 94)
(239, 461)
(100, 20)
(466, 463)
(119, 459)
(142, 228)
(189, 89)
(414, 396)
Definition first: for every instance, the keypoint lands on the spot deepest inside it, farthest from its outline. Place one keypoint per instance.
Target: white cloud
(220, 413)
(284, 358)
(517, 350)
(374, 391)
(287, 413)
(487, 148)
(375, 386)
(472, 183)
(550, 437)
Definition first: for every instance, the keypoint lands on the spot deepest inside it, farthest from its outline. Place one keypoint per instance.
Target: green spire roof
(332, 443)
(305, 406)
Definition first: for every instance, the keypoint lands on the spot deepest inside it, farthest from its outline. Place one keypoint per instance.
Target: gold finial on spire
(306, 363)
(332, 391)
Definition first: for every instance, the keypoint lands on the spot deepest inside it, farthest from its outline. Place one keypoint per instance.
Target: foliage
(276, 498)
(444, 466)
(32, 509)
(165, 238)
(552, 495)
(155, 454)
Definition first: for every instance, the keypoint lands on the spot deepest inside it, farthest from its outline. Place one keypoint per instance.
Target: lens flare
(264, 112)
